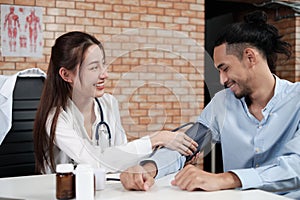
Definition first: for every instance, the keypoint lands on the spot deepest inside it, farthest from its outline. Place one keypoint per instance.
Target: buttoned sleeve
(282, 174)
(167, 161)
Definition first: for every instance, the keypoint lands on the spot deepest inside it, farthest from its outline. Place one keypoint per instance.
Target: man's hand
(139, 177)
(192, 178)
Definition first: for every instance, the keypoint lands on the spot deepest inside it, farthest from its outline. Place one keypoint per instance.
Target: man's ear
(250, 56)
(66, 75)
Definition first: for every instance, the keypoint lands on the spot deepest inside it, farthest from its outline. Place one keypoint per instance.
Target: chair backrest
(16, 150)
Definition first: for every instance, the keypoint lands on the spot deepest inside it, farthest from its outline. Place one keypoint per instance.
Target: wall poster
(21, 31)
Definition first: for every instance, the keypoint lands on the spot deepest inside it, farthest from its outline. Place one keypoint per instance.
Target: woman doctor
(77, 122)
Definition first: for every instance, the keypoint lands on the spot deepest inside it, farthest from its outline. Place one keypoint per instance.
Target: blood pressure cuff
(200, 134)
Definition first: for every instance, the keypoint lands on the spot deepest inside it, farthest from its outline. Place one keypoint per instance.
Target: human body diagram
(21, 32)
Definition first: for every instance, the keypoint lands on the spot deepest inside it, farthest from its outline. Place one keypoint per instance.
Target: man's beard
(244, 93)
(239, 96)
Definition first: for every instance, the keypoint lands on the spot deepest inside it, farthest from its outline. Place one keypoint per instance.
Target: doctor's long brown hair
(68, 52)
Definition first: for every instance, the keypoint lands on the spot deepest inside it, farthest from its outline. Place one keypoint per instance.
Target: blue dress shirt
(263, 154)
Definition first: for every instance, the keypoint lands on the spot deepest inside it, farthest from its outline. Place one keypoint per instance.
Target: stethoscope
(102, 123)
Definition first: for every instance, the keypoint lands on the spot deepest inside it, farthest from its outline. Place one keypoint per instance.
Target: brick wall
(154, 50)
(286, 26)
(297, 49)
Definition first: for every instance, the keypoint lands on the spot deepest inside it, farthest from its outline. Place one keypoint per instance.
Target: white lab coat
(7, 85)
(73, 143)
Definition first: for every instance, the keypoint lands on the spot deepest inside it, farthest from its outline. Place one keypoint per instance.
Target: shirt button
(257, 150)
(257, 165)
(259, 126)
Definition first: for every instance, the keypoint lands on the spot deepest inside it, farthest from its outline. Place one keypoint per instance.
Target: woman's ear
(66, 75)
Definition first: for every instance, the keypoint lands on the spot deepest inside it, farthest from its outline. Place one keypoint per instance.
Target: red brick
(85, 6)
(138, 9)
(75, 13)
(48, 3)
(74, 28)
(112, 15)
(120, 23)
(94, 14)
(103, 22)
(7, 65)
(65, 4)
(103, 7)
(148, 3)
(164, 4)
(131, 16)
(121, 8)
(55, 27)
(24, 2)
(56, 11)
(64, 20)
(156, 11)
(7, 1)
(94, 29)
(131, 2)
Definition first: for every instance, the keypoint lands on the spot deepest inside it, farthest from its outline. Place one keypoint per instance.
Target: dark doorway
(217, 14)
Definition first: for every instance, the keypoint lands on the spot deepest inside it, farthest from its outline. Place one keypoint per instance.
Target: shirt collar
(279, 87)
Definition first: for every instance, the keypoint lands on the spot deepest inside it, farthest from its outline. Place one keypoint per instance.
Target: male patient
(256, 119)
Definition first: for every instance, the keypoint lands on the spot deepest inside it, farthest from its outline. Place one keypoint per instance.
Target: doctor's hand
(139, 177)
(192, 178)
(177, 141)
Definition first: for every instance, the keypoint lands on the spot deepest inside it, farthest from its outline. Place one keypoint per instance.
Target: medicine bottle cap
(64, 168)
(83, 167)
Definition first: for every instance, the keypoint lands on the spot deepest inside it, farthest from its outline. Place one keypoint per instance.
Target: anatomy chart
(21, 31)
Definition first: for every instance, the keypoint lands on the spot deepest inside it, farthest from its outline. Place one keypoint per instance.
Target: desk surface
(42, 187)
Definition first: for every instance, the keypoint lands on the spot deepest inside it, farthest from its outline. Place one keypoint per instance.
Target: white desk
(43, 187)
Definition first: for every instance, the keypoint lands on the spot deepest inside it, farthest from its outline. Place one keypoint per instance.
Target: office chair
(16, 150)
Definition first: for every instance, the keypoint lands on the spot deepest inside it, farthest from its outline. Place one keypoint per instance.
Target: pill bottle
(65, 181)
(84, 182)
(100, 178)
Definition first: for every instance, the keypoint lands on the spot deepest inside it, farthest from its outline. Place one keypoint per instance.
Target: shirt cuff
(248, 177)
(167, 161)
